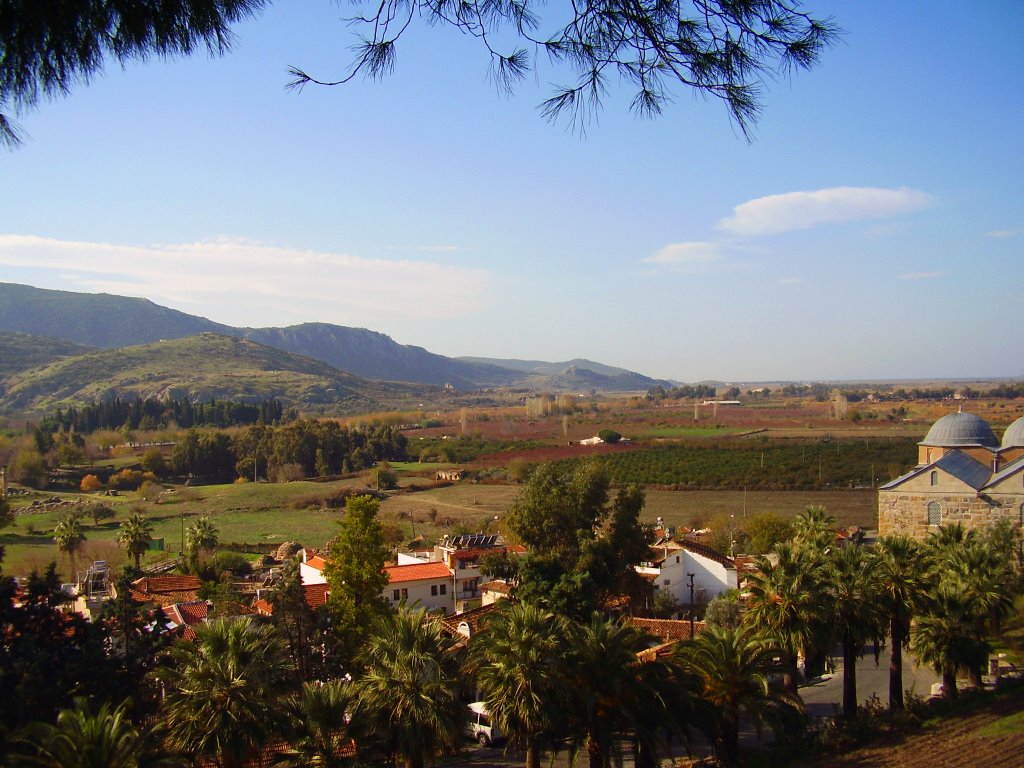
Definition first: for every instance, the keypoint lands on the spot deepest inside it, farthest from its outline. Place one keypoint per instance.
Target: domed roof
(1013, 437)
(955, 430)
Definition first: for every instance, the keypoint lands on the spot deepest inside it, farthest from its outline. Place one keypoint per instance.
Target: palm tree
(318, 734)
(200, 537)
(856, 592)
(406, 698)
(614, 692)
(946, 636)
(901, 568)
(984, 577)
(732, 667)
(518, 659)
(224, 691)
(135, 534)
(107, 739)
(787, 601)
(813, 529)
(70, 537)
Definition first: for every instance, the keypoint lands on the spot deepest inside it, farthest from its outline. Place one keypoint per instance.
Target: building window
(405, 594)
(934, 513)
(433, 590)
(444, 589)
(396, 594)
(935, 478)
(666, 582)
(677, 558)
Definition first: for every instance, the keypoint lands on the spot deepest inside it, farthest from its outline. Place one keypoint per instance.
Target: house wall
(311, 575)
(426, 593)
(709, 575)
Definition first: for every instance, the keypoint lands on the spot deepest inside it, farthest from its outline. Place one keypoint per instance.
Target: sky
(873, 228)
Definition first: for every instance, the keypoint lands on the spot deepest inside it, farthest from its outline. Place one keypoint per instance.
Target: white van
(478, 724)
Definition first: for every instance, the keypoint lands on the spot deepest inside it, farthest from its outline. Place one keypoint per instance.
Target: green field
(262, 513)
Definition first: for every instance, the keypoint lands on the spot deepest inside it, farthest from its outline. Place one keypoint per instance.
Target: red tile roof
(165, 590)
(316, 562)
(417, 572)
(316, 595)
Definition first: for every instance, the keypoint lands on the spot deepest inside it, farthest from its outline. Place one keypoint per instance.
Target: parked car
(478, 725)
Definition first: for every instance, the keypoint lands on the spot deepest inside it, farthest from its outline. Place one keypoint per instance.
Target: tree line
(151, 413)
(301, 448)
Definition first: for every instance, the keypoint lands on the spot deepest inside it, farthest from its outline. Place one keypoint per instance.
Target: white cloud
(1004, 233)
(802, 210)
(243, 282)
(686, 253)
(921, 275)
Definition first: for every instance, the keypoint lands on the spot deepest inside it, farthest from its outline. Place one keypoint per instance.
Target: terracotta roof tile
(417, 572)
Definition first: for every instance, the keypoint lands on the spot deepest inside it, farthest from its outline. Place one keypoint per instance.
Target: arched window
(935, 478)
(934, 513)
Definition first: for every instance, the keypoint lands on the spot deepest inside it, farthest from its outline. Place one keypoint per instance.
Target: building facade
(964, 474)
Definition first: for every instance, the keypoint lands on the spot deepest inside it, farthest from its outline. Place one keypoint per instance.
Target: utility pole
(690, 575)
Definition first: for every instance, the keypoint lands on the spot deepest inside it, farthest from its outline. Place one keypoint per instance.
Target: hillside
(108, 322)
(377, 356)
(96, 319)
(19, 351)
(201, 368)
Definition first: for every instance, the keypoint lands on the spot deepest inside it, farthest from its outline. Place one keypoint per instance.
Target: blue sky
(873, 228)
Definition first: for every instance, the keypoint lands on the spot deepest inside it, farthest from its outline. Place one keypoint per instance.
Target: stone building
(964, 474)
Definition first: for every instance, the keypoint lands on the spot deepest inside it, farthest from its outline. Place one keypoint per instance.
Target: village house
(673, 565)
(426, 585)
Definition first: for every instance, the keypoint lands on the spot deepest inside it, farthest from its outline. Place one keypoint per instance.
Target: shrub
(232, 562)
(90, 484)
(609, 435)
(383, 478)
(130, 479)
(29, 468)
(287, 473)
(153, 461)
(150, 491)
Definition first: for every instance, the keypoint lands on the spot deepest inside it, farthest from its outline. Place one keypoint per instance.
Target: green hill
(200, 368)
(20, 351)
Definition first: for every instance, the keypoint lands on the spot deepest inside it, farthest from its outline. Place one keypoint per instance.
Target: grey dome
(1013, 437)
(956, 430)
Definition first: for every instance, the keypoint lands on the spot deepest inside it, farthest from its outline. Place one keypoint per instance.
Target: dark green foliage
(47, 657)
(316, 445)
(558, 516)
(203, 453)
(835, 464)
(609, 435)
(118, 413)
(355, 573)
(765, 531)
(234, 563)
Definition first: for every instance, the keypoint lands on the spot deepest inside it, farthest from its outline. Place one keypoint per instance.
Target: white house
(428, 585)
(311, 568)
(673, 563)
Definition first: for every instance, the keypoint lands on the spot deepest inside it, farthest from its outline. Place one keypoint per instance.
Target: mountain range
(43, 331)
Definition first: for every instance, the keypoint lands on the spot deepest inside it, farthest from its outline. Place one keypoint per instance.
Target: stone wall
(902, 511)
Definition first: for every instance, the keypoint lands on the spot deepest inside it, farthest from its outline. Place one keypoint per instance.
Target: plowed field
(989, 738)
